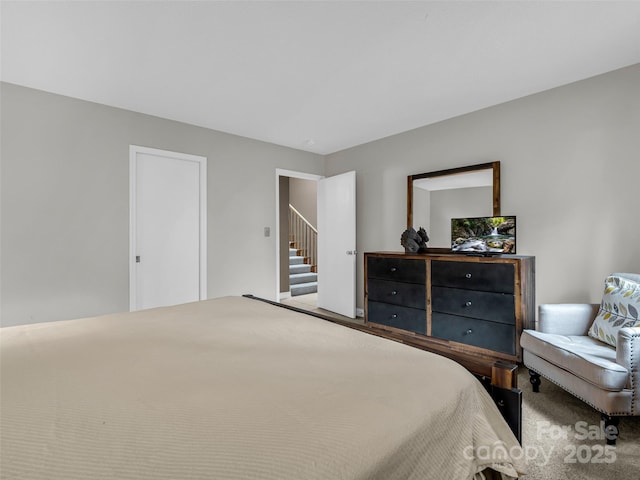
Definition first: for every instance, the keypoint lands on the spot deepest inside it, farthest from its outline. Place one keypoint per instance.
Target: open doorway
(336, 255)
(297, 239)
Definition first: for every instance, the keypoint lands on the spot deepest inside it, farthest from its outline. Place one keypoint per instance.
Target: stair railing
(304, 236)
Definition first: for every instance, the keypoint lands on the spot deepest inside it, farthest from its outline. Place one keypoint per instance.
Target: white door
(337, 244)
(168, 229)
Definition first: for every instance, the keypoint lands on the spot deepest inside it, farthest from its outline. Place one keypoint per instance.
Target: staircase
(303, 251)
(302, 280)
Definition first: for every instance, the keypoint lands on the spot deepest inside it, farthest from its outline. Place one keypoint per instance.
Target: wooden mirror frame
(493, 166)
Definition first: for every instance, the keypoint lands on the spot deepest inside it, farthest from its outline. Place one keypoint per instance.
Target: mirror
(434, 198)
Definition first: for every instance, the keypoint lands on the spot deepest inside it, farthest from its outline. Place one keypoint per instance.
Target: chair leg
(611, 429)
(534, 378)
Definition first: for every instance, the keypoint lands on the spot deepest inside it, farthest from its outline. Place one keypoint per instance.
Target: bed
(234, 388)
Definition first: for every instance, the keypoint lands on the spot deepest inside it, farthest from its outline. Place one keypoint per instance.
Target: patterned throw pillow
(620, 308)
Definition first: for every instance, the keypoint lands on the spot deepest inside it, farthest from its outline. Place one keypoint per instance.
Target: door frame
(292, 174)
(134, 150)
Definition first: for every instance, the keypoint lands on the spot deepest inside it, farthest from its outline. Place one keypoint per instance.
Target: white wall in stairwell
(303, 195)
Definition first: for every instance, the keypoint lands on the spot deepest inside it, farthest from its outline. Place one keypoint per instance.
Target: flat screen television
(483, 235)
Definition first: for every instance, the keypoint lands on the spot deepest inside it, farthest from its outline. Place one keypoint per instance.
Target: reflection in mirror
(434, 198)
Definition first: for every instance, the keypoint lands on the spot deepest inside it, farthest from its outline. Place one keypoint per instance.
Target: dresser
(471, 309)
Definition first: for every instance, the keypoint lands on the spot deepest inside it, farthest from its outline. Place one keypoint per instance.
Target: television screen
(483, 235)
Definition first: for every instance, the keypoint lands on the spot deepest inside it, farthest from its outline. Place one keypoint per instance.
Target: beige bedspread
(234, 388)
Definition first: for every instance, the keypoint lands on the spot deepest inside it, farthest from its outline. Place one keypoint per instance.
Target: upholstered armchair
(592, 350)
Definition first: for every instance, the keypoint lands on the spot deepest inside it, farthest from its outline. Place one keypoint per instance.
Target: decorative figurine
(413, 241)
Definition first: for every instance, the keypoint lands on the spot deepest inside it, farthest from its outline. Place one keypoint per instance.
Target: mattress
(234, 388)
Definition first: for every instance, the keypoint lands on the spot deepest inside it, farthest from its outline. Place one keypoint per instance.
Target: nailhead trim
(633, 373)
(626, 414)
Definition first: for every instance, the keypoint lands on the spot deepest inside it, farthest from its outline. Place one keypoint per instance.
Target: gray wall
(65, 204)
(570, 167)
(434, 210)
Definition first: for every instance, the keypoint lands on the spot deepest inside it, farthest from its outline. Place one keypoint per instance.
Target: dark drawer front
(411, 319)
(398, 269)
(489, 277)
(491, 335)
(497, 307)
(398, 293)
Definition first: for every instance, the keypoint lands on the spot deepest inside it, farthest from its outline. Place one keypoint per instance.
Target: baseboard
(285, 295)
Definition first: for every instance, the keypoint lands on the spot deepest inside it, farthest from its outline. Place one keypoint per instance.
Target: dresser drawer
(398, 293)
(488, 277)
(480, 333)
(397, 269)
(411, 319)
(496, 307)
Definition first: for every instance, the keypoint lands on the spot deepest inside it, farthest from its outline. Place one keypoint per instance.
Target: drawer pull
(469, 332)
(395, 315)
(468, 275)
(393, 269)
(468, 304)
(394, 293)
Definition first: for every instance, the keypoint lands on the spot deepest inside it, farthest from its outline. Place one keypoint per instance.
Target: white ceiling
(319, 76)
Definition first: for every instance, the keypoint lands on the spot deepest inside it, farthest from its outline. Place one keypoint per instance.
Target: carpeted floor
(558, 438)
